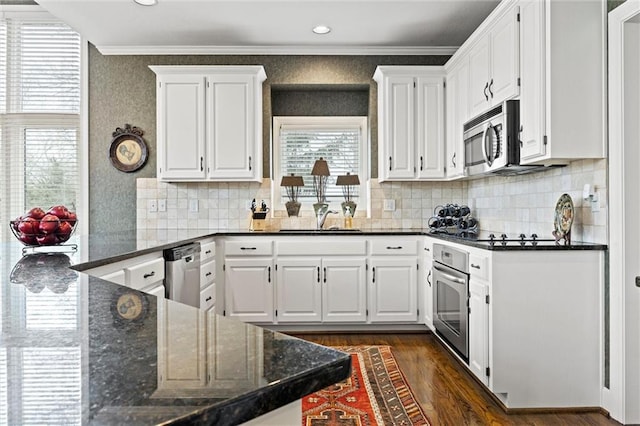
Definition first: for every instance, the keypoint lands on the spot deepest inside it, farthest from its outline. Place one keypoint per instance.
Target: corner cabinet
(209, 123)
(563, 82)
(411, 139)
(457, 114)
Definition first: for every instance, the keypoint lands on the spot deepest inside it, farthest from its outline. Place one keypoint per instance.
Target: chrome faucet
(322, 216)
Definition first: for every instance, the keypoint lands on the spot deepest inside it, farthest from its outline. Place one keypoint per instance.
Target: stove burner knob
(522, 237)
(503, 236)
(534, 236)
(492, 237)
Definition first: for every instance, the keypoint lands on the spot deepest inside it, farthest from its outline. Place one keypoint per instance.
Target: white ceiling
(273, 27)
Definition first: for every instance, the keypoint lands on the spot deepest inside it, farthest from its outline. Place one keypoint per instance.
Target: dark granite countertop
(68, 355)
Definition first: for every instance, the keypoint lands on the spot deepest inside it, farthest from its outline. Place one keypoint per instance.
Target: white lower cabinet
(393, 290)
(427, 283)
(344, 290)
(319, 287)
(479, 329)
(299, 289)
(249, 289)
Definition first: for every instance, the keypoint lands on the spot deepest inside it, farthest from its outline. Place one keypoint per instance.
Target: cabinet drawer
(207, 251)
(479, 266)
(207, 273)
(208, 297)
(336, 247)
(248, 248)
(394, 246)
(144, 274)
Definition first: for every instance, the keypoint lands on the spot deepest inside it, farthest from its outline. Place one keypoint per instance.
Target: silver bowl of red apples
(38, 227)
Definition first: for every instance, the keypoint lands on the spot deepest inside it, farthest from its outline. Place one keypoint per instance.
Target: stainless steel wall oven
(451, 297)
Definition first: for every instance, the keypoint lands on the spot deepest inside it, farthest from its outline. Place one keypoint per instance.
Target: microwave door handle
(484, 145)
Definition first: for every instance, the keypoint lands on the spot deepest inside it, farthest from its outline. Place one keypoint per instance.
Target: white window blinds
(300, 145)
(39, 115)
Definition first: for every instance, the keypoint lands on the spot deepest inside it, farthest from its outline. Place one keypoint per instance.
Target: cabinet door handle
(453, 159)
(207, 299)
(421, 163)
(208, 274)
(207, 252)
(427, 249)
(150, 274)
(486, 86)
(318, 274)
(201, 164)
(324, 270)
(490, 86)
(374, 274)
(390, 163)
(428, 278)
(394, 247)
(249, 162)
(248, 248)
(269, 274)
(473, 265)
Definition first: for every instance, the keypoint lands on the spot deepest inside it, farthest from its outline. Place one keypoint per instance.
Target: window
(300, 141)
(39, 115)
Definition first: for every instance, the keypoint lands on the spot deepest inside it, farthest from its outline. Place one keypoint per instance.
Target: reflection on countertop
(80, 350)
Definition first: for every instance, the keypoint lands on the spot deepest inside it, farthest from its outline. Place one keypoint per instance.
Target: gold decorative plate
(563, 218)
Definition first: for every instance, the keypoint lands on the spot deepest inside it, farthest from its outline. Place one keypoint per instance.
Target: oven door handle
(449, 276)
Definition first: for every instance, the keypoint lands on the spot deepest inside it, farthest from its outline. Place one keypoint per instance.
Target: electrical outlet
(152, 206)
(193, 205)
(389, 205)
(595, 203)
(162, 205)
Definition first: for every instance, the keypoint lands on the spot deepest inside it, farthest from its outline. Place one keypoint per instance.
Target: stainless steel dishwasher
(182, 274)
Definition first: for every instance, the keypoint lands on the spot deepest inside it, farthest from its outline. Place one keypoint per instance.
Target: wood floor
(447, 393)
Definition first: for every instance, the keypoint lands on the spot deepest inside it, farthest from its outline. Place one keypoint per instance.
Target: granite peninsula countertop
(68, 356)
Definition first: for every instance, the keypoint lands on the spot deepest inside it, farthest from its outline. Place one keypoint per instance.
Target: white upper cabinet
(457, 92)
(562, 71)
(410, 122)
(494, 62)
(209, 123)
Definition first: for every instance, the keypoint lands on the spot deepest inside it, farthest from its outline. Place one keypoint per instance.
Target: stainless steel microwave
(491, 142)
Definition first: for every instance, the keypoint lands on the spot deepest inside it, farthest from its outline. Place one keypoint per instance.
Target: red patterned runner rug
(376, 394)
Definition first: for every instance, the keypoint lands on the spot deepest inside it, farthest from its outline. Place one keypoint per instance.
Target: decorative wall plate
(563, 219)
(128, 151)
(129, 307)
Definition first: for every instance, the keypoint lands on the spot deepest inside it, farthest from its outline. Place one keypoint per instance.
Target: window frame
(277, 193)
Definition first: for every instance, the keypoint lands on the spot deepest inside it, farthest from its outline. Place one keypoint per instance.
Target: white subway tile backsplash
(514, 205)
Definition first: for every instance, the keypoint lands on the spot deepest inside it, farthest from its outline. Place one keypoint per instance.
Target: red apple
(36, 213)
(47, 240)
(28, 226)
(72, 218)
(49, 223)
(64, 231)
(15, 223)
(60, 211)
(29, 240)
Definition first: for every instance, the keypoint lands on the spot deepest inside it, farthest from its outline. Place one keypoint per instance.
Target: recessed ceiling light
(146, 2)
(321, 29)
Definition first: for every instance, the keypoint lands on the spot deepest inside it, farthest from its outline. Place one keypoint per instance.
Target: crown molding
(278, 50)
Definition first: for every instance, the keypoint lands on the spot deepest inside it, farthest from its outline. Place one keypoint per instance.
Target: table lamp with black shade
(292, 186)
(349, 183)
(320, 173)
